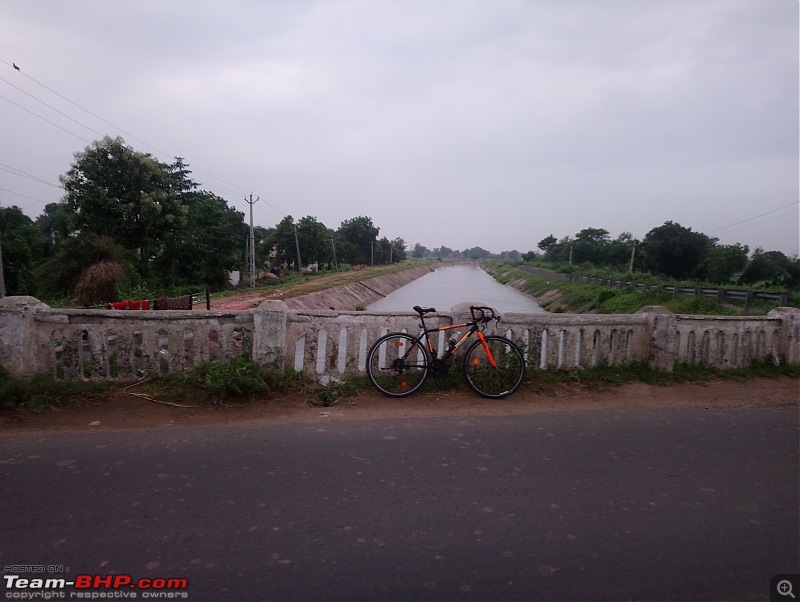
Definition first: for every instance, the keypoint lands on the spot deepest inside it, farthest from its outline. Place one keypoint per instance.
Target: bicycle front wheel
(496, 369)
(397, 364)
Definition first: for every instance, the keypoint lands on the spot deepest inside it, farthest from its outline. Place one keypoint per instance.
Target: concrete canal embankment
(348, 297)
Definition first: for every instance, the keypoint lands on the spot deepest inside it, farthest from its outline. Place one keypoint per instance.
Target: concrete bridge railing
(128, 345)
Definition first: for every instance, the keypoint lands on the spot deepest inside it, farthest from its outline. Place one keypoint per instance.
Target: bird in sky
(15, 66)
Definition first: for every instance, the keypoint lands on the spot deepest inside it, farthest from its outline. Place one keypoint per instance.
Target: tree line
(675, 252)
(129, 224)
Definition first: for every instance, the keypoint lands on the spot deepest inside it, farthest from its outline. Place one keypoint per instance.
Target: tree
(560, 251)
(22, 247)
(547, 243)
(59, 275)
(208, 246)
(148, 215)
(675, 251)
(55, 224)
(591, 245)
(419, 251)
(476, 253)
(773, 268)
(263, 238)
(389, 251)
(443, 252)
(398, 250)
(315, 243)
(723, 262)
(115, 192)
(283, 242)
(618, 251)
(358, 235)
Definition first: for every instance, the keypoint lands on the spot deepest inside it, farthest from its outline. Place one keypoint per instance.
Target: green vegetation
(560, 296)
(130, 226)
(335, 393)
(670, 252)
(640, 372)
(39, 393)
(241, 382)
(212, 384)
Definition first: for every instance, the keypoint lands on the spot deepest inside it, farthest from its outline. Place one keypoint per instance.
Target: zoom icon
(784, 587)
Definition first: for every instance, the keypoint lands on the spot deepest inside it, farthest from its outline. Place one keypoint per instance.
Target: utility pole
(297, 244)
(333, 246)
(633, 253)
(2, 276)
(251, 259)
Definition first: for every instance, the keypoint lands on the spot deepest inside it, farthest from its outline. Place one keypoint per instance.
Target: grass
(236, 382)
(580, 298)
(38, 393)
(640, 372)
(605, 375)
(241, 381)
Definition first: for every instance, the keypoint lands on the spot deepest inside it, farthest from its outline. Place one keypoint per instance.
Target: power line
(116, 127)
(50, 106)
(279, 212)
(45, 119)
(85, 110)
(25, 196)
(22, 174)
(752, 218)
(764, 222)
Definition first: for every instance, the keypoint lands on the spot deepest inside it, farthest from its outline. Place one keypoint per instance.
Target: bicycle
(494, 366)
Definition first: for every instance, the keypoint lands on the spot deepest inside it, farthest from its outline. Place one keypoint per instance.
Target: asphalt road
(574, 505)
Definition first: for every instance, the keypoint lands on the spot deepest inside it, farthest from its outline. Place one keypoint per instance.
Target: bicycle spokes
(397, 365)
(494, 367)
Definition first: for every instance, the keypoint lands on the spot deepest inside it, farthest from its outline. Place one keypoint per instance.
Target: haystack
(99, 283)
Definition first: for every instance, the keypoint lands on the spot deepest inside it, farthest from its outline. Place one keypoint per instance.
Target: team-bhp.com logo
(95, 587)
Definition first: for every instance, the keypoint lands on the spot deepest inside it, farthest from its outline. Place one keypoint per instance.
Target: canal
(448, 286)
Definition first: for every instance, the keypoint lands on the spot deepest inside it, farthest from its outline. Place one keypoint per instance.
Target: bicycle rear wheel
(499, 379)
(397, 364)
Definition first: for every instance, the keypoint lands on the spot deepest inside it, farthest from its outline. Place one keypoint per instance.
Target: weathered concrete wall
(107, 344)
(349, 296)
(121, 345)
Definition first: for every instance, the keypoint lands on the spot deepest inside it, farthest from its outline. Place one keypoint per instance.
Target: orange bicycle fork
(486, 349)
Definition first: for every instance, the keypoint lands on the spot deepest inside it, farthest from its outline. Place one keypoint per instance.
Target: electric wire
(84, 109)
(50, 107)
(45, 119)
(116, 127)
(764, 222)
(22, 174)
(795, 204)
(25, 196)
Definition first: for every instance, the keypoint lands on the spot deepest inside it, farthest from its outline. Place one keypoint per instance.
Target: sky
(456, 123)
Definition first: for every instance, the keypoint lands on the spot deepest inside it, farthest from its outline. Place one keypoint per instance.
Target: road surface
(581, 504)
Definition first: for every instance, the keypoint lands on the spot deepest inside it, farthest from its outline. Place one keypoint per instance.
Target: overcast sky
(459, 123)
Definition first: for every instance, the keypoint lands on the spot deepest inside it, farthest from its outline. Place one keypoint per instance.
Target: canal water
(448, 286)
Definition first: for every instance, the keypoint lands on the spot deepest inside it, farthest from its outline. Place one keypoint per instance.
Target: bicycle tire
(488, 380)
(397, 364)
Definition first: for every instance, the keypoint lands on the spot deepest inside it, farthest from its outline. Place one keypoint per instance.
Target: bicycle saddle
(423, 310)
